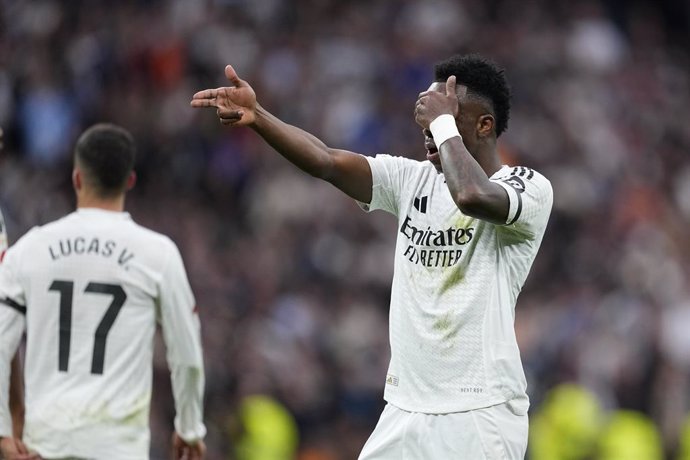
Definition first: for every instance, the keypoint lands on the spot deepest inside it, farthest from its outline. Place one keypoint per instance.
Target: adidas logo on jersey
(420, 204)
(522, 171)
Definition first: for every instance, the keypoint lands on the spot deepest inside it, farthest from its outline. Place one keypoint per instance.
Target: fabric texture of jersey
(89, 289)
(455, 284)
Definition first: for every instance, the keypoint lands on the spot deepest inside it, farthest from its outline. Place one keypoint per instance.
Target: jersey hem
(437, 410)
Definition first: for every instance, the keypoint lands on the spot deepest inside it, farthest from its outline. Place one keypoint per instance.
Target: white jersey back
(92, 286)
(456, 280)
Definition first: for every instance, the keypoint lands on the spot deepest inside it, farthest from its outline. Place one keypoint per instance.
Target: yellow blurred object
(567, 425)
(684, 442)
(630, 436)
(269, 431)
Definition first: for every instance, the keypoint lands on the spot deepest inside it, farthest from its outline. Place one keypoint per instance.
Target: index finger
(203, 102)
(206, 94)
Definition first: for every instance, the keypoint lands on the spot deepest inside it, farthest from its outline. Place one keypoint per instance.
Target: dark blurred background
(293, 280)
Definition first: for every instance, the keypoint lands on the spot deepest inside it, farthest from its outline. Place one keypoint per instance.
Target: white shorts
(492, 433)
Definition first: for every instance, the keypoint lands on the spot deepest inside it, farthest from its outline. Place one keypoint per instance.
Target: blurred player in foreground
(13, 445)
(89, 289)
(16, 398)
(468, 231)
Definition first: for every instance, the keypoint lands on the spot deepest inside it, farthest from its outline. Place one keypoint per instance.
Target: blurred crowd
(291, 277)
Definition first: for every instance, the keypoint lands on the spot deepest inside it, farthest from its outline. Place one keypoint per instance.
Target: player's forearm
(11, 330)
(5, 414)
(470, 188)
(301, 148)
(17, 398)
(188, 391)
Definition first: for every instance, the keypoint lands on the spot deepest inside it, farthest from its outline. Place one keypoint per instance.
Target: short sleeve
(531, 199)
(388, 175)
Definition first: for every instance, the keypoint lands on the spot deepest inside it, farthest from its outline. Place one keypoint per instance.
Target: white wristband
(443, 128)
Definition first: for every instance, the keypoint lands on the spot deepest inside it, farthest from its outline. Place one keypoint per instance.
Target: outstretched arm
(237, 106)
(469, 185)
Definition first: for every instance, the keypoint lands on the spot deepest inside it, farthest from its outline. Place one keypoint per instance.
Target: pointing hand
(235, 105)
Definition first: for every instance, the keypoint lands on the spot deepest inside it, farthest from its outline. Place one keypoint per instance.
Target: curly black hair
(107, 153)
(483, 78)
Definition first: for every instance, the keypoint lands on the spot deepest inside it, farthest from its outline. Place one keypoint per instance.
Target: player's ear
(485, 125)
(77, 179)
(131, 180)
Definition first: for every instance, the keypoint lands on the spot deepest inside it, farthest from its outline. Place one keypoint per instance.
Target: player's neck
(116, 204)
(488, 159)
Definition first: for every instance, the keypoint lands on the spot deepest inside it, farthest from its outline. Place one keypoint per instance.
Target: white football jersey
(456, 280)
(3, 236)
(89, 289)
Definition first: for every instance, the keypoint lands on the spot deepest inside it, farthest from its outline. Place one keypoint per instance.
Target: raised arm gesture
(235, 105)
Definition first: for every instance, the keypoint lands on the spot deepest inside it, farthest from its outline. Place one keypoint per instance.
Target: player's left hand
(14, 449)
(182, 450)
(431, 104)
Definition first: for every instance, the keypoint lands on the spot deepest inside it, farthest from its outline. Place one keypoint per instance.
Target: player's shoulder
(151, 237)
(51, 227)
(398, 161)
(24, 247)
(525, 172)
(38, 232)
(522, 177)
(400, 167)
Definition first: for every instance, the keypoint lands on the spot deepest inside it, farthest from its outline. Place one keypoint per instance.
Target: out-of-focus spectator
(684, 449)
(567, 425)
(630, 435)
(266, 430)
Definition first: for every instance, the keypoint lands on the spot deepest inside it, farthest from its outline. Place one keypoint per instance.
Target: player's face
(431, 148)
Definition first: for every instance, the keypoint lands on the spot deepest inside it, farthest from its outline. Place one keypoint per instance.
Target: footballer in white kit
(456, 280)
(455, 283)
(89, 289)
(16, 398)
(468, 230)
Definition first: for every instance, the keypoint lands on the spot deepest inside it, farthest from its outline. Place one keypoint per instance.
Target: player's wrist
(191, 438)
(260, 115)
(443, 128)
